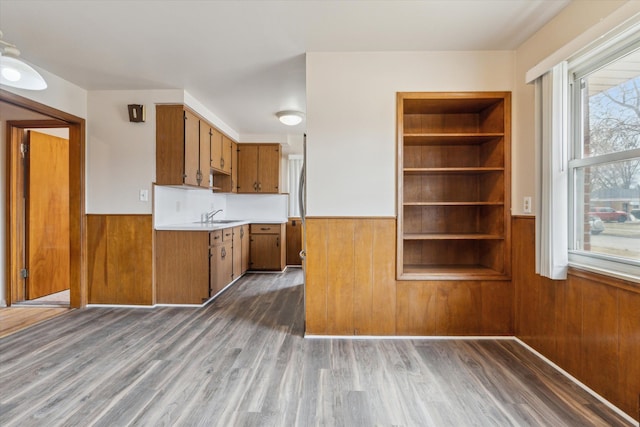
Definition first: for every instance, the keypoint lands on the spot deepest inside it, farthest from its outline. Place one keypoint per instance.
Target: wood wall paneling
(588, 324)
(294, 241)
(416, 308)
(120, 259)
(350, 276)
(340, 276)
(316, 277)
(384, 295)
(629, 352)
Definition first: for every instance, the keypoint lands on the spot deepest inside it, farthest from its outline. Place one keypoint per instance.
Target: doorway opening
(44, 214)
(45, 224)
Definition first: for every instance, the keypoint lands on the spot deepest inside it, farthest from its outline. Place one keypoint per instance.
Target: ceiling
(245, 60)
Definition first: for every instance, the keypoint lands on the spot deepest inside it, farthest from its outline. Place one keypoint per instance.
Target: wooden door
(191, 148)
(294, 241)
(234, 167)
(226, 155)
(216, 150)
(221, 266)
(47, 211)
(265, 252)
(245, 244)
(237, 252)
(247, 168)
(268, 168)
(204, 163)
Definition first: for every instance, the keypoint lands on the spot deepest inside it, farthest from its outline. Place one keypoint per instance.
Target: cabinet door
(216, 150)
(244, 242)
(191, 148)
(205, 153)
(268, 168)
(237, 252)
(265, 252)
(225, 164)
(234, 167)
(247, 168)
(221, 266)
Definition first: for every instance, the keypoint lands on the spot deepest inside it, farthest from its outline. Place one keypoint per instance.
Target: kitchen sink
(224, 221)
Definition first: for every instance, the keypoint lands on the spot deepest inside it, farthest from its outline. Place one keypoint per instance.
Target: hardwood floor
(243, 361)
(14, 319)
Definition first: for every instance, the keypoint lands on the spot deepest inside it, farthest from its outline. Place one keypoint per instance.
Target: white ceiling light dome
(16, 73)
(290, 117)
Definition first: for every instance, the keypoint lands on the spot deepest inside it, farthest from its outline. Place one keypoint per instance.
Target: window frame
(624, 268)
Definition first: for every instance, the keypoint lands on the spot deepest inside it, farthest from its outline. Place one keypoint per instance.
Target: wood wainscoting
(589, 324)
(120, 255)
(351, 288)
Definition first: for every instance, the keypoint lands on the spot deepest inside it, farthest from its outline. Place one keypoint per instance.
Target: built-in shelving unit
(454, 185)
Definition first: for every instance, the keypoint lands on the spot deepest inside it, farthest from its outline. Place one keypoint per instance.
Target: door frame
(77, 214)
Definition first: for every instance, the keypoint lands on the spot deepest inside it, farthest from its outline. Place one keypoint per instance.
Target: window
(604, 166)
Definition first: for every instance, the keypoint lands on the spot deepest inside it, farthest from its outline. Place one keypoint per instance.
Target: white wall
(573, 21)
(121, 155)
(351, 119)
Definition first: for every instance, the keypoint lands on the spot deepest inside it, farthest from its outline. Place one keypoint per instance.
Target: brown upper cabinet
(216, 150)
(258, 168)
(189, 150)
(228, 183)
(220, 153)
(178, 147)
(454, 186)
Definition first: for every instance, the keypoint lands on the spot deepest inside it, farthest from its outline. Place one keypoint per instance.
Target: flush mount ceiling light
(14, 72)
(290, 117)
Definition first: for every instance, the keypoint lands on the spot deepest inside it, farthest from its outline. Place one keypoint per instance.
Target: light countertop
(212, 226)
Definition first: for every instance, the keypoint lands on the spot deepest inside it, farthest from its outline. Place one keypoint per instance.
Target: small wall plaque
(136, 113)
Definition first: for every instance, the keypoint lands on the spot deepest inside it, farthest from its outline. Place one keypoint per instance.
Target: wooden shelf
(473, 170)
(450, 138)
(449, 272)
(465, 203)
(454, 186)
(451, 236)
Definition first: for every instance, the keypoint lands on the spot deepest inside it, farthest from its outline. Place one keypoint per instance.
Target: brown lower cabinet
(220, 259)
(268, 247)
(182, 267)
(193, 266)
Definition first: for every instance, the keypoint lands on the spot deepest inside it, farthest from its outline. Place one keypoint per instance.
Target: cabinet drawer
(227, 235)
(215, 237)
(265, 228)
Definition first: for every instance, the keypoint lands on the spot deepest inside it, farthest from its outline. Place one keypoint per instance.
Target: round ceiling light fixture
(16, 73)
(290, 117)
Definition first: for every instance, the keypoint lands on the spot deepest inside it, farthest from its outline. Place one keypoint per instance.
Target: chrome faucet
(210, 215)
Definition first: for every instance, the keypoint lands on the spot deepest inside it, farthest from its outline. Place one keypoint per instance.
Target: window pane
(611, 101)
(608, 208)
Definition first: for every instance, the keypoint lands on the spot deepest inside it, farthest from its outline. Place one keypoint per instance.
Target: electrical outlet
(144, 195)
(526, 205)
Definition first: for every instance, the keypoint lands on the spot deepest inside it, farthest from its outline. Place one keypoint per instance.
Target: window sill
(612, 278)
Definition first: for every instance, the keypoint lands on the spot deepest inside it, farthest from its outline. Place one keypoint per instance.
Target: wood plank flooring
(243, 361)
(14, 319)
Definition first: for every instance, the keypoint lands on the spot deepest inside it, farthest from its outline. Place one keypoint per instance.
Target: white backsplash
(180, 205)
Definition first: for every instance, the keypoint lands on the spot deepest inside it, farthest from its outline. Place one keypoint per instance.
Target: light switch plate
(144, 195)
(526, 205)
